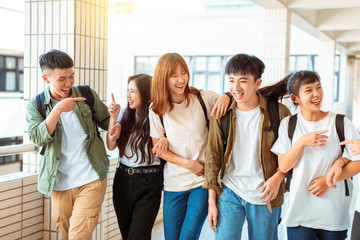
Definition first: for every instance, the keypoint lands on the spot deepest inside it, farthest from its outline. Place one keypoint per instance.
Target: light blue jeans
(185, 213)
(232, 211)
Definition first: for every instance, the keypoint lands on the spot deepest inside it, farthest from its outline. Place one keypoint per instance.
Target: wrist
(341, 160)
(228, 94)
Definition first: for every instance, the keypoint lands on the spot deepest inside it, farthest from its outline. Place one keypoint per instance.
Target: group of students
(201, 174)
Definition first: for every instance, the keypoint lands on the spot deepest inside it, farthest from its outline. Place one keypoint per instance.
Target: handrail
(18, 149)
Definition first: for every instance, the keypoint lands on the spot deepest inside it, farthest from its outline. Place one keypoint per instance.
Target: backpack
(339, 125)
(85, 92)
(273, 111)
(203, 106)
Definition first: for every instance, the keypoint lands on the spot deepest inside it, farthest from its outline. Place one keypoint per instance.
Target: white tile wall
(77, 27)
(276, 44)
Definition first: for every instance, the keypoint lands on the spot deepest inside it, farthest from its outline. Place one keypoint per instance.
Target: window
(310, 62)
(11, 158)
(206, 72)
(11, 73)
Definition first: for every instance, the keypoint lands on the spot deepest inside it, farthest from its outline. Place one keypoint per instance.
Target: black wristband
(229, 94)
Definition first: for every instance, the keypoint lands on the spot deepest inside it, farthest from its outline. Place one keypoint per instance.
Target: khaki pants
(76, 211)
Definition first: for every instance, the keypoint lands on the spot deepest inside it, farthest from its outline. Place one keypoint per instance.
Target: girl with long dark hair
(137, 183)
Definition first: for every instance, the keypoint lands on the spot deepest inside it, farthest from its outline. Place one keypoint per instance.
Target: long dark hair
(289, 85)
(139, 126)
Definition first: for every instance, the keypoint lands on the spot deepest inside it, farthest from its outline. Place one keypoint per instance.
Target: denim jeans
(300, 233)
(232, 211)
(185, 213)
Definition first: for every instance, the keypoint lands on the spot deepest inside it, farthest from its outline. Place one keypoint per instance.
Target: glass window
(10, 70)
(21, 64)
(10, 63)
(200, 64)
(200, 81)
(292, 64)
(2, 63)
(302, 63)
(10, 81)
(141, 63)
(214, 82)
(214, 64)
(21, 82)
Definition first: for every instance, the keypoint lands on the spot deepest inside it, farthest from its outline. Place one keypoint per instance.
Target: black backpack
(203, 106)
(339, 124)
(85, 92)
(273, 111)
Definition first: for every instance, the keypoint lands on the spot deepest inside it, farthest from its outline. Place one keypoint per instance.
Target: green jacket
(268, 160)
(39, 136)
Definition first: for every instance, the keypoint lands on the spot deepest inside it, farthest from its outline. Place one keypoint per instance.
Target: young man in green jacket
(247, 183)
(74, 167)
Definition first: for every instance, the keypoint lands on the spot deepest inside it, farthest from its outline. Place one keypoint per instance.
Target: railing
(18, 149)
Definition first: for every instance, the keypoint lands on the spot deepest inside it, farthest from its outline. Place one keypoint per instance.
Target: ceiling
(324, 19)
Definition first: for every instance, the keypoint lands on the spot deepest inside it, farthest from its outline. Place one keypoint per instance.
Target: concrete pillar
(356, 101)
(78, 27)
(326, 66)
(276, 44)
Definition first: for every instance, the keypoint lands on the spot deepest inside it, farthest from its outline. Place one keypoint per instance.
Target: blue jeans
(185, 213)
(300, 233)
(232, 211)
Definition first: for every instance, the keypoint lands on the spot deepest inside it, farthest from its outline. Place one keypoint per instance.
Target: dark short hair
(245, 64)
(55, 59)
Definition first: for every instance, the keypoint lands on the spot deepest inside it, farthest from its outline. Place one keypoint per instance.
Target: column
(326, 70)
(276, 44)
(78, 27)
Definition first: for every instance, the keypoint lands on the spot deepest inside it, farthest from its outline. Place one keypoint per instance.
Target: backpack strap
(340, 130)
(273, 111)
(225, 128)
(203, 106)
(291, 130)
(41, 107)
(339, 124)
(162, 123)
(86, 93)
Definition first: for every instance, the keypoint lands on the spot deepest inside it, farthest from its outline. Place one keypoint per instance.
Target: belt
(139, 170)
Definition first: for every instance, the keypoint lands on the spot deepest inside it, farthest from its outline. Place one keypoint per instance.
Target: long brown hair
(137, 127)
(160, 93)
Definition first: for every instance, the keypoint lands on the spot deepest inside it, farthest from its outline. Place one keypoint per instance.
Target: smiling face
(310, 97)
(177, 83)
(133, 96)
(61, 81)
(243, 88)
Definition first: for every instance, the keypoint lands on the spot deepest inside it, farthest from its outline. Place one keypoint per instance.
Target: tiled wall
(21, 207)
(76, 27)
(79, 28)
(276, 44)
(26, 214)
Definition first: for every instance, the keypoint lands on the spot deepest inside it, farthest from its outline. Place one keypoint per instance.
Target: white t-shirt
(187, 135)
(130, 162)
(331, 211)
(244, 175)
(74, 169)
